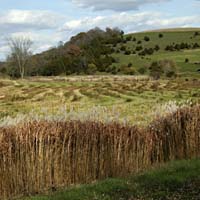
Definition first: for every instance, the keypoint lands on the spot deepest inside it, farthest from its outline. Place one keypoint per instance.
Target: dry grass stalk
(41, 155)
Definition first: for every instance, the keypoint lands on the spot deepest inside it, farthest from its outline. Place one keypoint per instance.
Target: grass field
(171, 36)
(124, 97)
(177, 180)
(130, 100)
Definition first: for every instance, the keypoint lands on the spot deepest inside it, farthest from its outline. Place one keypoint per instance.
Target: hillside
(110, 51)
(162, 38)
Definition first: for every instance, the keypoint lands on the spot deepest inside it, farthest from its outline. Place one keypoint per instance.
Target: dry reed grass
(38, 156)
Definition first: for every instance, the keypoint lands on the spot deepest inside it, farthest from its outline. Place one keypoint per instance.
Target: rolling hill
(187, 59)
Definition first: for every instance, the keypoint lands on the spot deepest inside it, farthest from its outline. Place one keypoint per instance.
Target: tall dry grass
(38, 156)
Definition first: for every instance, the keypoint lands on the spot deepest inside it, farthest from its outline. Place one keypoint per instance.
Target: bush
(112, 69)
(138, 48)
(186, 60)
(196, 45)
(160, 35)
(130, 64)
(128, 38)
(142, 70)
(139, 42)
(146, 38)
(156, 48)
(92, 69)
(127, 70)
(123, 48)
(127, 52)
(163, 67)
(134, 39)
(155, 70)
(169, 48)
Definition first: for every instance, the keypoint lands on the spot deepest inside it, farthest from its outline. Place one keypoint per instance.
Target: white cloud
(130, 22)
(19, 20)
(46, 29)
(39, 26)
(116, 5)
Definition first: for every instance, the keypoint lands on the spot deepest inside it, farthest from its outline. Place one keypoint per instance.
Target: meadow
(134, 99)
(169, 37)
(62, 131)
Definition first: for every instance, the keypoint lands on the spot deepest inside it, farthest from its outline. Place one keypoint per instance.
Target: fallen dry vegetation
(39, 156)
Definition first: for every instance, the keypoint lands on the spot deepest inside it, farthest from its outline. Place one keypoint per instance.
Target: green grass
(176, 180)
(176, 36)
(132, 99)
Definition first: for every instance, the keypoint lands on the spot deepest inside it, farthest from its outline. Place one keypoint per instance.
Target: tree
(146, 38)
(20, 52)
(155, 70)
(92, 69)
(163, 67)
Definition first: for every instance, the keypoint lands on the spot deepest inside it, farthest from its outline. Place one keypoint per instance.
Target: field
(63, 131)
(134, 99)
(176, 36)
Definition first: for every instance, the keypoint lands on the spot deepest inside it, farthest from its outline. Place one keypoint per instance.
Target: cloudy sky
(47, 22)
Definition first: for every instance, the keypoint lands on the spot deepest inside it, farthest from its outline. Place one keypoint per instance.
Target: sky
(46, 22)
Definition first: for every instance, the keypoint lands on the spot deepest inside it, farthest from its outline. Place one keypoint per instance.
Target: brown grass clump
(39, 156)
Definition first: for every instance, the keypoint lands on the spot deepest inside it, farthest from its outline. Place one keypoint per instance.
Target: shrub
(123, 48)
(130, 64)
(128, 38)
(112, 69)
(92, 68)
(156, 48)
(127, 70)
(139, 42)
(196, 33)
(196, 45)
(142, 70)
(169, 48)
(186, 60)
(146, 38)
(127, 52)
(160, 35)
(138, 48)
(134, 39)
(155, 70)
(163, 67)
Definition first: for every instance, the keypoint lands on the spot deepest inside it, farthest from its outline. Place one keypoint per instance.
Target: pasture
(169, 37)
(134, 99)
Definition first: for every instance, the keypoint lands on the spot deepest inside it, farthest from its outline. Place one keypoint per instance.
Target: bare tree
(20, 52)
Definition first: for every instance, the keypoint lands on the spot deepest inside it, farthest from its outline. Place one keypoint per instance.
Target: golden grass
(39, 156)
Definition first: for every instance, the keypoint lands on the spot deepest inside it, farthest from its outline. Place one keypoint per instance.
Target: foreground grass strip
(176, 180)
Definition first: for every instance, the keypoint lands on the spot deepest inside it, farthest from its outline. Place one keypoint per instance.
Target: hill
(110, 51)
(174, 29)
(183, 48)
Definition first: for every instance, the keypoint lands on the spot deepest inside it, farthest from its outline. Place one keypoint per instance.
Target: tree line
(85, 53)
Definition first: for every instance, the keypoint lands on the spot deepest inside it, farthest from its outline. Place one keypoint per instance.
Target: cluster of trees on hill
(85, 53)
(178, 47)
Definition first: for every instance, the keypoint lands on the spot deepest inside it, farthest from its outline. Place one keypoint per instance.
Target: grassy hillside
(169, 37)
(176, 180)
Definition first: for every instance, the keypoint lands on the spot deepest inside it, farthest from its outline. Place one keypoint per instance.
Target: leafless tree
(20, 52)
